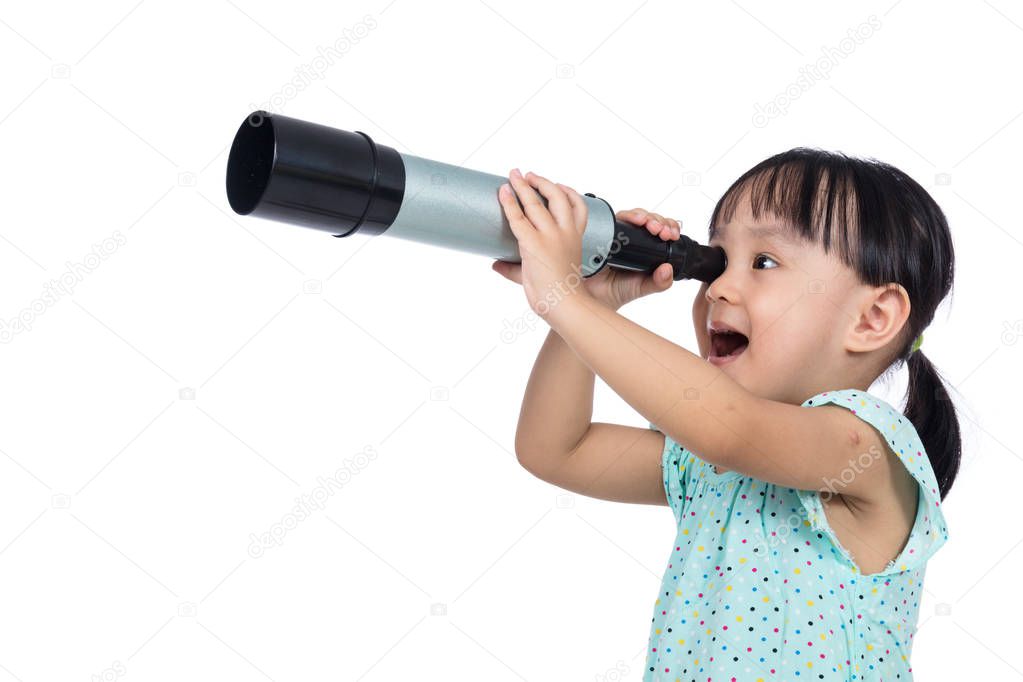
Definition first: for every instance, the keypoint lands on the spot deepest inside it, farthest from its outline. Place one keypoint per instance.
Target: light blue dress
(758, 586)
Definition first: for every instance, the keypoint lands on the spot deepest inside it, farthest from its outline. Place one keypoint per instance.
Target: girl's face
(792, 302)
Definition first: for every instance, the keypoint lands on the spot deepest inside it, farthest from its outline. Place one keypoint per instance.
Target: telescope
(344, 183)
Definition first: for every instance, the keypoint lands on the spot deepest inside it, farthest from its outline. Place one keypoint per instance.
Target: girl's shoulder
(897, 430)
(929, 531)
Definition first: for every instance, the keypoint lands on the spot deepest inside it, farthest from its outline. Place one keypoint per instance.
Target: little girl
(803, 534)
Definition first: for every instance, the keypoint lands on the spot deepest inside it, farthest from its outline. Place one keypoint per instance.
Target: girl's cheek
(700, 306)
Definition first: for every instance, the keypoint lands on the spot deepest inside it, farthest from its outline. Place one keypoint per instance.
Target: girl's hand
(550, 239)
(612, 287)
(615, 287)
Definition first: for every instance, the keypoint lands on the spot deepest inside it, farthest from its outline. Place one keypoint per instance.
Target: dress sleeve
(929, 531)
(674, 461)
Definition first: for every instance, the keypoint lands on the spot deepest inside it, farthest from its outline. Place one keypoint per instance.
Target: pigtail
(929, 407)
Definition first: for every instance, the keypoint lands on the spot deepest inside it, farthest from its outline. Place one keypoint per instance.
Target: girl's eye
(759, 259)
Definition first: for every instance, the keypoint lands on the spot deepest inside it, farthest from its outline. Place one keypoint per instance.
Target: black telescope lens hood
(307, 174)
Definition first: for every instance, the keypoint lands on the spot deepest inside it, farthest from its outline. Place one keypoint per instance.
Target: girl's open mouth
(726, 346)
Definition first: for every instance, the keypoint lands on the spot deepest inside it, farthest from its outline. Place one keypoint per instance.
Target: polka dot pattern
(758, 586)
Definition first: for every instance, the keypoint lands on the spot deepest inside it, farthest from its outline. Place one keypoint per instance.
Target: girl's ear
(881, 318)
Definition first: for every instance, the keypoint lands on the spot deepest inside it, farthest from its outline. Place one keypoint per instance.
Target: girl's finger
(512, 271)
(642, 218)
(636, 216)
(533, 208)
(676, 228)
(661, 227)
(579, 209)
(653, 225)
(557, 201)
(635, 213)
(520, 225)
(659, 280)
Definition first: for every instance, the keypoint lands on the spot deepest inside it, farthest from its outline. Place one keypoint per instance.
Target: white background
(129, 502)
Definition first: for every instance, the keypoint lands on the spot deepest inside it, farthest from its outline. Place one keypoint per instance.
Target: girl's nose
(723, 287)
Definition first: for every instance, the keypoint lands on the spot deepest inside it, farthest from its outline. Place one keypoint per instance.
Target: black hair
(887, 229)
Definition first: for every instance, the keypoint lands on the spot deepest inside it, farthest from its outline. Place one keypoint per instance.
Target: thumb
(659, 280)
(511, 271)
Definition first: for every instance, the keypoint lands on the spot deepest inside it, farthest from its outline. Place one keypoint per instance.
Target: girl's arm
(710, 414)
(695, 403)
(556, 441)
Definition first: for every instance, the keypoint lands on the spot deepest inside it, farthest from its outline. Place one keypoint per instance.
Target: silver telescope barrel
(342, 182)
